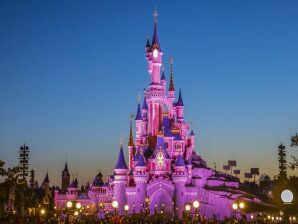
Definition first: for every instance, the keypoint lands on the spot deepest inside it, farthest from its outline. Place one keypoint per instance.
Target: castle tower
(65, 179)
(145, 119)
(171, 92)
(155, 94)
(180, 108)
(141, 178)
(139, 126)
(130, 146)
(120, 181)
(72, 190)
(179, 178)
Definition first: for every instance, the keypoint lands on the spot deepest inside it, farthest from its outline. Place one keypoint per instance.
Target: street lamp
(42, 211)
(78, 205)
(187, 209)
(287, 196)
(69, 204)
(115, 206)
(196, 205)
(126, 208)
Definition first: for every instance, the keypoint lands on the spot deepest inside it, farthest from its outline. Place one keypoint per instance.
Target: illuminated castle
(164, 172)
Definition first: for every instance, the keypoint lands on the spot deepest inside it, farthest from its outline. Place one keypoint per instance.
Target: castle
(164, 172)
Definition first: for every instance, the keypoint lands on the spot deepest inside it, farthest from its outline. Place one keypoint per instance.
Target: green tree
(294, 143)
(282, 162)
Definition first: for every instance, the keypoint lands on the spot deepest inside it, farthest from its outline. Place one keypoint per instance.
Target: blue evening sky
(70, 73)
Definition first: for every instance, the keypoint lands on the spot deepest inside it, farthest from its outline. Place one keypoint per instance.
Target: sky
(71, 71)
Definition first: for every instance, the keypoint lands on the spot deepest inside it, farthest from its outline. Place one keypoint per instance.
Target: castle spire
(163, 74)
(139, 116)
(171, 86)
(180, 100)
(65, 171)
(155, 41)
(121, 164)
(130, 141)
(148, 42)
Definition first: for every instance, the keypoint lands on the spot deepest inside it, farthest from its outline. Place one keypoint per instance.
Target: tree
(282, 162)
(294, 143)
(32, 179)
(24, 161)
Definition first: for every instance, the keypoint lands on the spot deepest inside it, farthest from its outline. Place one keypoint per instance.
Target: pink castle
(164, 172)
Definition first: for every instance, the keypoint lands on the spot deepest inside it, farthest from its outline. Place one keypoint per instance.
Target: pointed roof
(145, 105)
(148, 43)
(66, 169)
(130, 141)
(121, 164)
(141, 161)
(180, 161)
(155, 41)
(73, 184)
(46, 179)
(163, 77)
(171, 86)
(139, 116)
(180, 100)
(192, 132)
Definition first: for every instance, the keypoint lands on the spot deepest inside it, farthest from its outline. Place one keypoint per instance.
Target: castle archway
(160, 200)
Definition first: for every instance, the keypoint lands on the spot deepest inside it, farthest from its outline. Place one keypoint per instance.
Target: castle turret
(145, 118)
(141, 178)
(171, 92)
(180, 108)
(120, 181)
(72, 190)
(130, 146)
(163, 78)
(139, 128)
(65, 179)
(179, 178)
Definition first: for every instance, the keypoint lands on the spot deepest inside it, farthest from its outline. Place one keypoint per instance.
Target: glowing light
(241, 205)
(69, 204)
(115, 204)
(126, 207)
(42, 211)
(268, 216)
(76, 213)
(294, 218)
(235, 206)
(187, 207)
(147, 200)
(155, 53)
(287, 196)
(196, 204)
(78, 205)
(251, 217)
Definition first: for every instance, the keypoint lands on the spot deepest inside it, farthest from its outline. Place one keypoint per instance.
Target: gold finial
(121, 140)
(131, 116)
(155, 15)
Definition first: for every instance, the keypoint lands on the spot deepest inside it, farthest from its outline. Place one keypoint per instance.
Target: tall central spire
(155, 41)
(171, 86)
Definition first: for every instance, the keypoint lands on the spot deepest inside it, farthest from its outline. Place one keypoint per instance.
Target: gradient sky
(70, 73)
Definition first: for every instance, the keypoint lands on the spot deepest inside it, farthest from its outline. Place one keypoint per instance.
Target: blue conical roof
(180, 100)
(192, 132)
(121, 164)
(141, 161)
(163, 77)
(155, 41)
(139, 116)
(147, 43)
(145, 105)
(180, 161)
